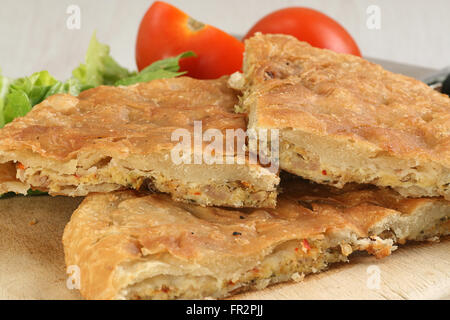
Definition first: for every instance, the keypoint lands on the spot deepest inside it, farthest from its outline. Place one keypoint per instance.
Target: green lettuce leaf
(29, 193)
(162, 69)
(4, 89)
(71, 86)
(99, 67)
(17, 105)
(23, 93)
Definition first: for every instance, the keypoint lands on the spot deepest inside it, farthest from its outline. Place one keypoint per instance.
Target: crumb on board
(298, 277)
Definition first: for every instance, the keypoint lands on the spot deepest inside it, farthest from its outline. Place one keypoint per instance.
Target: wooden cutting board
(32, 262)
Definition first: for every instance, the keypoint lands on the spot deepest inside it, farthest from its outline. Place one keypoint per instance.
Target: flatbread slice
(343, 119)
(111, 138)
(129, 245)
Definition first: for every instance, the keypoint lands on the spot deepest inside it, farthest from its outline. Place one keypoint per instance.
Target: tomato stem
(195, 25)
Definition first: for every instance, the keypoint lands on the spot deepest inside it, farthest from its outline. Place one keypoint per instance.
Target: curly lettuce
(99, 67)
(162, 69)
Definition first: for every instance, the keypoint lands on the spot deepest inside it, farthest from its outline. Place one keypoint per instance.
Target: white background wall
(33, 33)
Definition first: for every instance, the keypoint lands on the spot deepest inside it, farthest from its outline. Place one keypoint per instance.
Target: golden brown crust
(138, 119)
(129, 245)
(320, 95)
(109, 138)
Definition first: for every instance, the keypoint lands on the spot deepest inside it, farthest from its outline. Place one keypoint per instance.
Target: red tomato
(166, 31)
(308, 25)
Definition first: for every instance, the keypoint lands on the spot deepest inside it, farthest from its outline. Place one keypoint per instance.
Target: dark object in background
(439, 80)
(446, 86)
